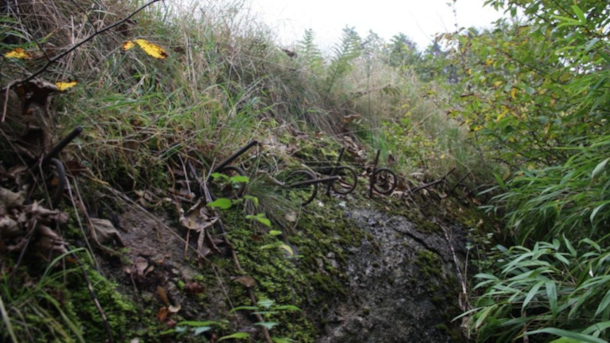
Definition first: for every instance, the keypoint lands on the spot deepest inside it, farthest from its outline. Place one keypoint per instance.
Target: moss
(119, 311)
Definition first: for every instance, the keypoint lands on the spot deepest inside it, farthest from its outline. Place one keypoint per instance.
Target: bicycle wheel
(223, 183)
(50, 185)
(348, 179)
(304, 194)
(384, 181)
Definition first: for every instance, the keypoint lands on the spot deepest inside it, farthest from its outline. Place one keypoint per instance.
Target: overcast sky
(418, 19)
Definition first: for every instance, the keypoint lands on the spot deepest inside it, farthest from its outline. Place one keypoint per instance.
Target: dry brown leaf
(104, 232)
(140, 265)
(174, 309)
(291, 217)
(247, 281)
(9, 200)
(9, 228)
(162, 314)
(193, 288)
(50, 242)
(149, 270)
(163, 295)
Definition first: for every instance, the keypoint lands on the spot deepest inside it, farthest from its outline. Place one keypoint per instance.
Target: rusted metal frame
(334, 170)
(372, 177)
(329, 179)
(427, 185)
(235, 155)
(459, 182)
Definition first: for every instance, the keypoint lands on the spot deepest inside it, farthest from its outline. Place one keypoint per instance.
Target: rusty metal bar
(314, 181)
(372, 177)
(235, 156)
(334, 170)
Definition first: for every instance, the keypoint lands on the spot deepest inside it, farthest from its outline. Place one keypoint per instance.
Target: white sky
(418, 19)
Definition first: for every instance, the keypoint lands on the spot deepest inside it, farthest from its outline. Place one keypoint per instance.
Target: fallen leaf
(247, 281)
(174, 309)
(18, 53)
(104, 232)
(128, 45)
(163, 295)
(62, 86)
(140, 265)
(291, 217)
(193, 288)
(151, 49)
(162, 314)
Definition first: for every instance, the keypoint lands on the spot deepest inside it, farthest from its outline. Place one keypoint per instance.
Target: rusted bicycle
(230, 181)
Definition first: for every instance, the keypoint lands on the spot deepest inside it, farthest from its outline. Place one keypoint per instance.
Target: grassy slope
(224, 83)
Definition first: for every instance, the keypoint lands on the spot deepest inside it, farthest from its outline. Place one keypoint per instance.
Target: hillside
(161, 170)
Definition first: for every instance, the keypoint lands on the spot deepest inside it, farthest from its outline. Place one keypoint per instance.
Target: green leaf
(568, 334)
(260, 218)
(220, 177)
(221, 203)
(199, 330)
(252, 198)
(599, 168)
(551, 293)
(603, 304)
(266, 303)
(240, 308)
(268, 325)
(596, 210)
(275, 232)
(570, 247)
(281, 340)
(287, 248)
(237, 335)
(579, 14)
(287, 308)
(239, 179)
(197, 323)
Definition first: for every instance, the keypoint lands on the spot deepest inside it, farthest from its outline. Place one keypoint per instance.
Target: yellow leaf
(547, 128)
(469, 71)
(513, 92)
(501, 115)
(65, 85)
(489, 62)
(151, 49)
(18, 53)
(497, 84)
(128, 45)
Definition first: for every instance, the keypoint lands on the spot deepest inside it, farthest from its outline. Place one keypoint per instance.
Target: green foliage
(532, 92)
(556, 287)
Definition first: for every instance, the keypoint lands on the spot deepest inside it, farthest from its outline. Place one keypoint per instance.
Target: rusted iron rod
(313, 181)
(372, 177)
(235, 156)
(62, 144)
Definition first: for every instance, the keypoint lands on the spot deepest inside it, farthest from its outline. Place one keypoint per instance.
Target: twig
(77, 45)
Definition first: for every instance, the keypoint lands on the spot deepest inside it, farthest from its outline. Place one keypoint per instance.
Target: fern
(345, 53)
(309, 53)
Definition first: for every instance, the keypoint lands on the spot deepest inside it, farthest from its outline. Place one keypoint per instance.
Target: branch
(76, 46)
